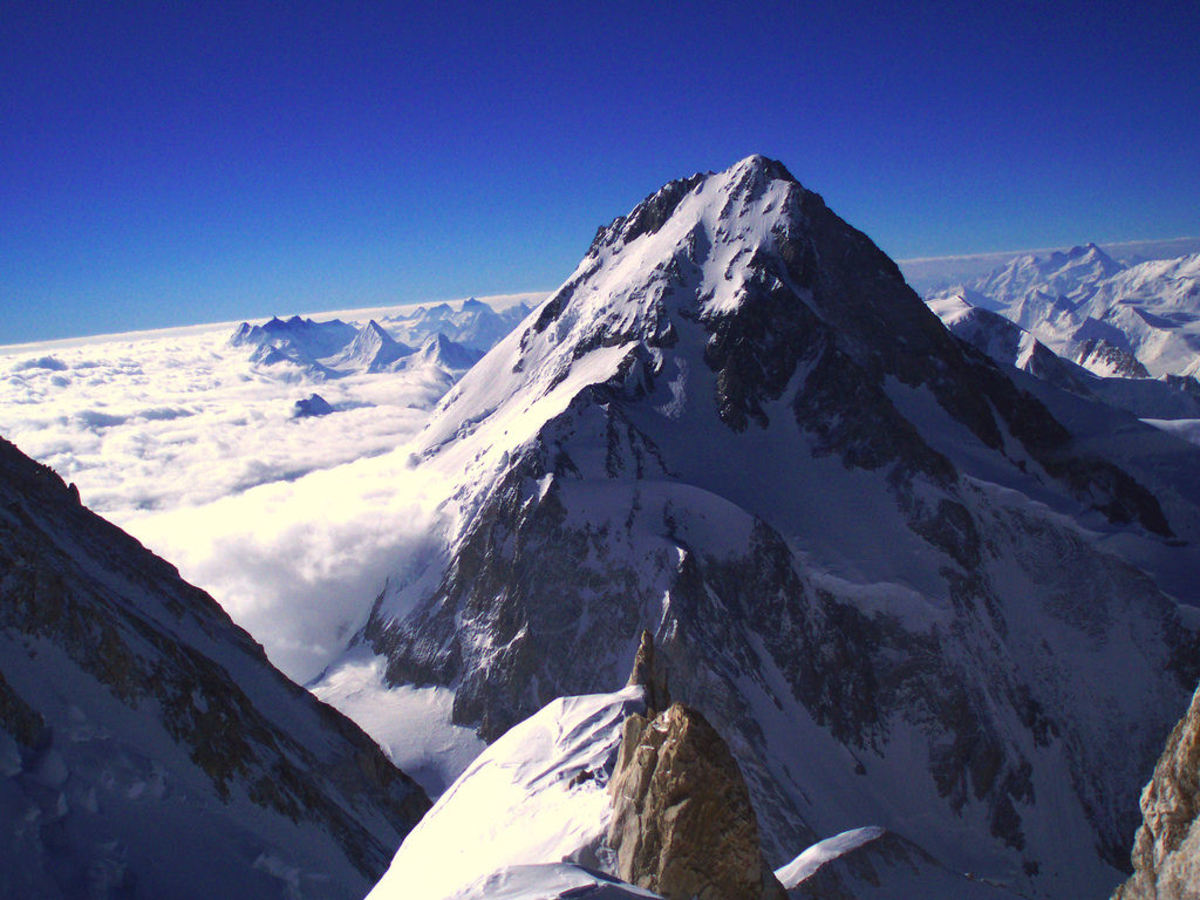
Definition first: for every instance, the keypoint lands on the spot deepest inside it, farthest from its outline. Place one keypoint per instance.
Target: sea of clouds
(292, 524)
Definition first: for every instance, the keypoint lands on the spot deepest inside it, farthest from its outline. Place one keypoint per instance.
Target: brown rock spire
(682, 821)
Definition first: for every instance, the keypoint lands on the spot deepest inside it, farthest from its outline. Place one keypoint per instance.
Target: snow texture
(536, 797)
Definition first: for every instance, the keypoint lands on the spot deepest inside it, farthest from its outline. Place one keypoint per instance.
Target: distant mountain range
(1134, 321)
(436, 338)
(935, 273)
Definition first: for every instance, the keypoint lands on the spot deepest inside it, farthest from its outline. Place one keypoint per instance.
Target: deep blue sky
(167, 163)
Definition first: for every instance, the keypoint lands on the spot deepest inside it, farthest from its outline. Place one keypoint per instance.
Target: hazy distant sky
(165, 163)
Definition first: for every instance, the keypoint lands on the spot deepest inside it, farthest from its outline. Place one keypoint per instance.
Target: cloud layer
(292, 524)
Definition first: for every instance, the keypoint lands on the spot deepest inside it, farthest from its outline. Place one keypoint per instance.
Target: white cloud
(299, 564)
(293, 525)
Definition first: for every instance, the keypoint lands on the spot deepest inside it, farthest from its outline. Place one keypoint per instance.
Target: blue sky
(169, 163)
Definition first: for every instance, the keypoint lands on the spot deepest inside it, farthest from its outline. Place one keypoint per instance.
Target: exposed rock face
(647, 673)
(1098, 354)
(682, 821)
(147, 747)
(1166, 850)
(313, 405)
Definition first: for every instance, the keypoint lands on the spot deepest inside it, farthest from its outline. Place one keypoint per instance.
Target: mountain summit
(870, 558)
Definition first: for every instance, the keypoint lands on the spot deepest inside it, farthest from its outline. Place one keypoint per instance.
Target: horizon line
(986, 253)
(82, 340)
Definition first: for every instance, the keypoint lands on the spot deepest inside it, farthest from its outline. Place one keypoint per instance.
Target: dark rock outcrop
(313, 405)
(647, 673)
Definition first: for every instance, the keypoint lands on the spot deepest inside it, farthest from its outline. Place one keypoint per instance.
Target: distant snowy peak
(444, 353)
(304, 338)
(372, 350)
(1060, 273)
(449, 340)
(475, 325)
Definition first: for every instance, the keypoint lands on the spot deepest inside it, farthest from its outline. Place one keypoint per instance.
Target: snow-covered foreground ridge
(536, 797)
(899, 582)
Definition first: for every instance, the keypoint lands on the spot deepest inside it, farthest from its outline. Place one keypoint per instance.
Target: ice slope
(870, 862)
(148, 748)
(536, 798)
(872, 555)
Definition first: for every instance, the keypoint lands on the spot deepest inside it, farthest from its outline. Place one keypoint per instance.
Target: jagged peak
(375, 333)
(743, 182)
(756, 170)
(443, 351)
(649, 676)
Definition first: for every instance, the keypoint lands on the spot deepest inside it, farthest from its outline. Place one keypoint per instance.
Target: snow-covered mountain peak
(1062, 273)
(713, 293)
(700, 249)
(372, 350)
(440, 351)
(697, 248)
(737, 427)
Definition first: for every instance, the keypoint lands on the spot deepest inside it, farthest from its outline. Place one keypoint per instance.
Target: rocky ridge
(1166, 850)
(682, 824)
(147, 747)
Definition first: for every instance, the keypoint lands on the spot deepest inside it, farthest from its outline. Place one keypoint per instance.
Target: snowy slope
(537, 797)
(872, 555)
(870, 862)
(148, 748)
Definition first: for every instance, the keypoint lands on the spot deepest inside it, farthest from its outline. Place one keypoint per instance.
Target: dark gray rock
(312, 405)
